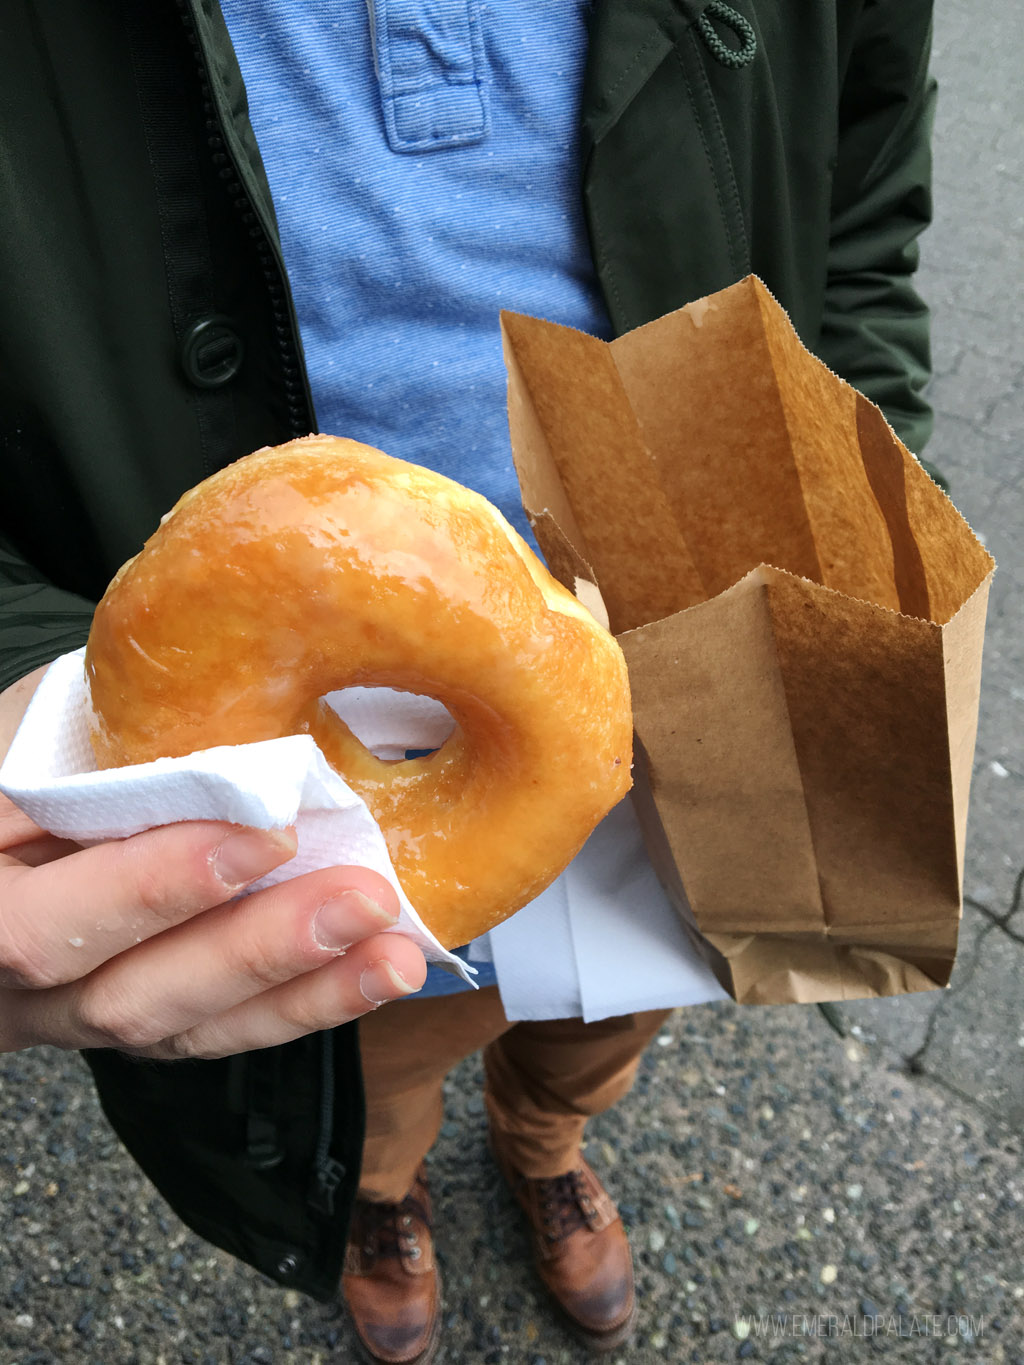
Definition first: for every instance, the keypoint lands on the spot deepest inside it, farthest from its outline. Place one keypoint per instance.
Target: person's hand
(136, 944)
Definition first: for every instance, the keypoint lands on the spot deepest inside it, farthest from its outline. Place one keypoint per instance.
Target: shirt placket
(432, 72)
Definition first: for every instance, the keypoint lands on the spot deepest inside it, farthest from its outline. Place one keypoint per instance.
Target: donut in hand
(324, 564)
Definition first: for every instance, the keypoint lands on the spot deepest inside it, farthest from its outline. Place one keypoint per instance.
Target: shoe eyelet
(407, 1221)
(414, 1254)
(411, 1239)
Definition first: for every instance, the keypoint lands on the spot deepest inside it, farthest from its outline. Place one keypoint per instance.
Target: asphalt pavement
(795, 1189)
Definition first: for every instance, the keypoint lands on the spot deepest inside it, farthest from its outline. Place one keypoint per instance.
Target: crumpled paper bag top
(678, 457)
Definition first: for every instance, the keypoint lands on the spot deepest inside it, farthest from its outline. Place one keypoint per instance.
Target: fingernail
(381, 982)
(249, 853)
(345, 918)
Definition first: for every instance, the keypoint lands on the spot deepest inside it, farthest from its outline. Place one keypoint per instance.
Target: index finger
(60, 921)
(15, 826)
(22, 840)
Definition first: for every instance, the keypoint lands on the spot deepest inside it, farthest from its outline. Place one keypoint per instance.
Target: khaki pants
(543, 1081)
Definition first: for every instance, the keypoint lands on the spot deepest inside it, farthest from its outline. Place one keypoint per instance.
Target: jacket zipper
(327, 1172)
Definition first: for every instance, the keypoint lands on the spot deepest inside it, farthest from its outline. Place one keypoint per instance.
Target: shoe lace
(565, 1205)
(390, 1229)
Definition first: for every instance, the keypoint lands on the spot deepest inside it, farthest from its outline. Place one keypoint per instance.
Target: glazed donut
(324, 564)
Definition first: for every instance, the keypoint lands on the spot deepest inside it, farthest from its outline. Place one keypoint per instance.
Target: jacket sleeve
(38, 621)
(876, 327)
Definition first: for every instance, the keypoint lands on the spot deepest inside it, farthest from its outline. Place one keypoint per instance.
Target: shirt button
(211, 352)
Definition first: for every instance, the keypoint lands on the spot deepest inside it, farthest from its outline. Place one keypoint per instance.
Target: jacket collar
(629, 39)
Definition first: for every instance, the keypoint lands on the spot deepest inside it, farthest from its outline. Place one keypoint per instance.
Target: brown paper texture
(802, 611)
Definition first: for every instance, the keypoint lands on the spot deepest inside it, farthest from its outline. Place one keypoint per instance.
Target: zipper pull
(327, 1176)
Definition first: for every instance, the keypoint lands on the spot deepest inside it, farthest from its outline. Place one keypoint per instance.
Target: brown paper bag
(802, 611)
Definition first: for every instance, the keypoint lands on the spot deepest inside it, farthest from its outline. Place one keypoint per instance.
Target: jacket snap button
(288, 1264)
(211, 352)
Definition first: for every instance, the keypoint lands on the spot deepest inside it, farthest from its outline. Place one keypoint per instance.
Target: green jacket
(147, 337)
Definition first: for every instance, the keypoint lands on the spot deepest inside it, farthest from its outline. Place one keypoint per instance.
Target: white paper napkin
(602, 940)
(389, 723)
(535, 961)
(632, 950)
(50, 773)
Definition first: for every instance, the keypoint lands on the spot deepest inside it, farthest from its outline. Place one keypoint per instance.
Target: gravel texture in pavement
(764, 1167)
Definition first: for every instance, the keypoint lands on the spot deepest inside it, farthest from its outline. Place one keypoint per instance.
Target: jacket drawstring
(734, 57)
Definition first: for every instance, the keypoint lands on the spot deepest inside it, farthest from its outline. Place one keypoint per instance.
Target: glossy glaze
(324, 564)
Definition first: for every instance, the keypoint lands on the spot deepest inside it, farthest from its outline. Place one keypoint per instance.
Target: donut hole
(393, 725)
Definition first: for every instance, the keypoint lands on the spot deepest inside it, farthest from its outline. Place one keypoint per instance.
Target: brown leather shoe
(390, 1283)
(581, 1251)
